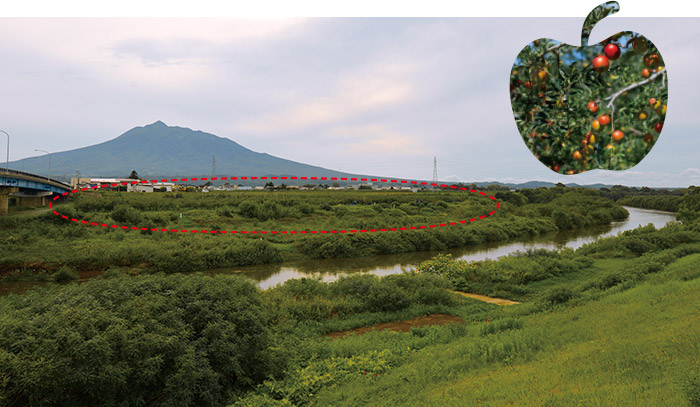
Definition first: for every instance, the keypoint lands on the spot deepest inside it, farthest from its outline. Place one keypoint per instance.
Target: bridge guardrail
(28, 174)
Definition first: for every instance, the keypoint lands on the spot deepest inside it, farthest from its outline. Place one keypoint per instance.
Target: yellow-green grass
(638, 347)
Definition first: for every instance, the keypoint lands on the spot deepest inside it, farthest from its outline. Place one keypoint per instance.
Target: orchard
(599, 106)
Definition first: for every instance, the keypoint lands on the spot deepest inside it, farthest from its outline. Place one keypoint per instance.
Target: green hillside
(160, 150)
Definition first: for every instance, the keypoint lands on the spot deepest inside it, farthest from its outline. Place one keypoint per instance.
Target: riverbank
(269, 275)
(44, 243)
(174, 326)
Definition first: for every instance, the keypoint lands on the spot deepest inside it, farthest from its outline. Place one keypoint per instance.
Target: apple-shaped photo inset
(590, 107)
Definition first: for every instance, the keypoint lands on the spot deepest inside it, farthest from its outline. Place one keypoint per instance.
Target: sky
(379, 96)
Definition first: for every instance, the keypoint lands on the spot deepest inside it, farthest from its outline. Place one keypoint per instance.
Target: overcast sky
(376, 96)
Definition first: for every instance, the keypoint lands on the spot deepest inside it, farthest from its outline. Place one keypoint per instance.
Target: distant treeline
(659, 202)
(645, 197)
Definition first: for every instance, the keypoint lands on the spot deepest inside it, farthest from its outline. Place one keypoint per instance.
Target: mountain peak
(157, 149)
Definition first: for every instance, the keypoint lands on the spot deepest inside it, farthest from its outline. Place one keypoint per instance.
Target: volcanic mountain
(159, 150)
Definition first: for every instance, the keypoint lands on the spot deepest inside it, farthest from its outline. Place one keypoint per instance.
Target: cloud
(373, 89)
(360, 140)
(361, 94)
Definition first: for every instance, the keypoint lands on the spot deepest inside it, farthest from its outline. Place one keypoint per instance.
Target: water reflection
(269, 275)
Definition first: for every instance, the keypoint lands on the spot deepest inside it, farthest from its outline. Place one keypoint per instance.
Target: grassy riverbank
(612, 323)
(45, 243)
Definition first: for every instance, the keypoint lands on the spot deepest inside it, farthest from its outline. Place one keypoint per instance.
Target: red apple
(601, 63)
(612, 51)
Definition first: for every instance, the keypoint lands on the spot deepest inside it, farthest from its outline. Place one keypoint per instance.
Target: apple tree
(599, 106)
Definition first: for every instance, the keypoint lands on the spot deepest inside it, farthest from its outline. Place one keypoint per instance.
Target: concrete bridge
(32, 190)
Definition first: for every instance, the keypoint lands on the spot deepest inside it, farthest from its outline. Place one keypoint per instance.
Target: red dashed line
(493, 212)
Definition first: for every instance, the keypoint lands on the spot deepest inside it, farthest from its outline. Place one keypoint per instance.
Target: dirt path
(402, 326)
(39, 211)
(497, 301)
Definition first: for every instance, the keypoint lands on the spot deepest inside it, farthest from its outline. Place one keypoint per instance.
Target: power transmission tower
(213, 167)
(435, 178)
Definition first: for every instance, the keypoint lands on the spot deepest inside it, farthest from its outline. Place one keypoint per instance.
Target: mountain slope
(158, 150)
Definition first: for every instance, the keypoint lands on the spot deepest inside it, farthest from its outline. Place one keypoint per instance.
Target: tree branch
(635, 131)
(633, 86)
(550, 49)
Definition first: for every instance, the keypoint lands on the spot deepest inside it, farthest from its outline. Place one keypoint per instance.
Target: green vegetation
(646, 198)
(612, 323)
(47, 242)
(580, 108)
(511, 276)
(661, 203)
(175, 340)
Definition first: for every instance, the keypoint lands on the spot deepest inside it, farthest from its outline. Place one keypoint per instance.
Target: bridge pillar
(32, 200)
(4, 201)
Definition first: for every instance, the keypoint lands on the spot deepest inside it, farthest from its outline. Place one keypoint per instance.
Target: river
(269, 275)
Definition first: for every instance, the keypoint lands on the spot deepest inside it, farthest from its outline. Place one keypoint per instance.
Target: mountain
(159, 150)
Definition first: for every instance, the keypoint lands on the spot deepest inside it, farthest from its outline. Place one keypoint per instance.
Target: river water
(269, 275)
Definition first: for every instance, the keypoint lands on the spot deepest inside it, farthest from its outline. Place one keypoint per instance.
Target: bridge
(32, 189)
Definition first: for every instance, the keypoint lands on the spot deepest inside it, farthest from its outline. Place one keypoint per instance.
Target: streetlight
(48, 177)
(8, 150)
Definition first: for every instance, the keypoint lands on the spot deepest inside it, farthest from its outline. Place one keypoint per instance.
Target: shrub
(559, 295)
(65, 274)
(304, 288)
(159, 340)
(386, 296)
(125, 214)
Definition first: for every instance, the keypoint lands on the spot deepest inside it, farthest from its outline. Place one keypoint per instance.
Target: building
(89, 182)
(139, 188)
(150, 187)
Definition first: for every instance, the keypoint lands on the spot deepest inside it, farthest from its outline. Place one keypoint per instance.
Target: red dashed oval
(292, 232)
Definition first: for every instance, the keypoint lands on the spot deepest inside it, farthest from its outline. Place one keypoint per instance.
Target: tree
(574, 118)
(134, 175)
(157, 340)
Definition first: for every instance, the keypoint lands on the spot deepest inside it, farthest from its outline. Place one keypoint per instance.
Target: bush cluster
(308, 299)
(153, 340)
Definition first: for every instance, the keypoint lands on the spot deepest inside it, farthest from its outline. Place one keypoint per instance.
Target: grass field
(638, 347)
(622, 329)
(615, 322)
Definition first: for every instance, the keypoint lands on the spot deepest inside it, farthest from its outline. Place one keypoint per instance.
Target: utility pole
(435, 177)
(7, 165)
(48, 176)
